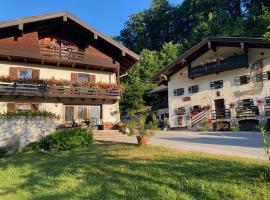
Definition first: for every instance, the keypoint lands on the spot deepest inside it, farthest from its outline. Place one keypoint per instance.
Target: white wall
(230, 92)
(47, 71)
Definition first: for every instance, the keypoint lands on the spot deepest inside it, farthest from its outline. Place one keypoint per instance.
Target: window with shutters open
(193, 89)
(179, 92)
(216, 84)
(242, 80)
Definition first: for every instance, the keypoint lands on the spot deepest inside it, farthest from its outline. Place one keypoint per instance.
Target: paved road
(242, 144)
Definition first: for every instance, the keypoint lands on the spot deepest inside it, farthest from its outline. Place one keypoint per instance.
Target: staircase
(198, 118)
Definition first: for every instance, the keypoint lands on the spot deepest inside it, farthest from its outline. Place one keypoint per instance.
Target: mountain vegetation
(164, 31)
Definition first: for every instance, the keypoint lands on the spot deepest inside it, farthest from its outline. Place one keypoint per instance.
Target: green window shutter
(211, 85)
(190, 89)
(248, 78)
(237, 80)
(240, 103)
(264, 75)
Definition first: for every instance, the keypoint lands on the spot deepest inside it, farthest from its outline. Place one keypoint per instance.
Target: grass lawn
(118, 171)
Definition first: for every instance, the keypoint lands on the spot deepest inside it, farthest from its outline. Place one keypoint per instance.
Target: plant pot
(143, 140)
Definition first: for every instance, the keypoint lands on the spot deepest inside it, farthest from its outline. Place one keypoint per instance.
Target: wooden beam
(73, 65)
(95, 36)
(25, 60)
(65, 18)
(9, 58)
(58, 63)
(243, 46)
(212, 46)
(20, 27)
(42, 61)
(123, 53)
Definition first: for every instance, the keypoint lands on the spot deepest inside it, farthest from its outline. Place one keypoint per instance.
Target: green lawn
(118, 171)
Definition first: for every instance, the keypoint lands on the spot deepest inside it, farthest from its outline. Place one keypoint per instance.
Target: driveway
(242, 144)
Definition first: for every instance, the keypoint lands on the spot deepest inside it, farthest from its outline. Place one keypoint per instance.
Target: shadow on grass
(122, 171)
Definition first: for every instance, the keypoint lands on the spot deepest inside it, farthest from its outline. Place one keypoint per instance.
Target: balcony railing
(232, 62)
(220, 114)
(247, 112)
(64, 53)
(29, 90)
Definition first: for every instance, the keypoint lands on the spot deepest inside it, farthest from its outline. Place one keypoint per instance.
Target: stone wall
(25, 129)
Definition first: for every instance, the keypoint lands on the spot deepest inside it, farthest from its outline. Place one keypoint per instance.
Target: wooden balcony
(247, 112)
(58, 93)
(220, 114)
(230, 63)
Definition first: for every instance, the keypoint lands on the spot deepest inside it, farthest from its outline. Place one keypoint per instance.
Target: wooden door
(220, 108)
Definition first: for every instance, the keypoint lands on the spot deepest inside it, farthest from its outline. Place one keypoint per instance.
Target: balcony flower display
(63, 82)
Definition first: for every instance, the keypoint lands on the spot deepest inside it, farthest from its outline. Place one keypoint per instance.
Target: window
(216, 84)
(180, 111)
(246, 103)
(95, 112)
(242, 80)
(193, 89)
(82, 112)
(267, 100)
(83, 77)
(25, 73)
(261, 76)
(179, 92)
(69, 113)
(23, 107)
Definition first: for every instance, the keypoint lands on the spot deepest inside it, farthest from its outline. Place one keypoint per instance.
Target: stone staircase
(112, 135)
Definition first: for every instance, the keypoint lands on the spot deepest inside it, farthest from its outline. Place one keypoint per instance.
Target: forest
(164, 31)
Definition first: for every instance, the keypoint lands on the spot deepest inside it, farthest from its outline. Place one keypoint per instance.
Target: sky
(107, 16)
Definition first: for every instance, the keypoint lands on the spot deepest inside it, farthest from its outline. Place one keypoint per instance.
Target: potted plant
(144, 127)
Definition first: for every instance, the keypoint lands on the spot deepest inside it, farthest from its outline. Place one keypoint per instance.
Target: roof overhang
(204, 46)
(125, 57)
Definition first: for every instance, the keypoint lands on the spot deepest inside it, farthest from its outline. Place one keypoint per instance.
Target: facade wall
(25, 129)
(47, 71)
(110, 112)
(230, 92)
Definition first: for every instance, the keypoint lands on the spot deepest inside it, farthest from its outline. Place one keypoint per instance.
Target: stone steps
(109, 135)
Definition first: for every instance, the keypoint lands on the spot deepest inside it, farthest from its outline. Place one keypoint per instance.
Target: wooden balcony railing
(220, 114)
(233, 62)
(49, 51)
(247, 112)
(10, 89)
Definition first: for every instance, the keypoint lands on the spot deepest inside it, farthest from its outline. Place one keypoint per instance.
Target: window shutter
(74, 77)
(248, 78)
(35, 74)
(10, 107)
(264, 75)
(237, 80)
(240, 103)
(13, 73)
(175, 93)
(92, 78)
(190, 89)
(211, 85)
(34, 107)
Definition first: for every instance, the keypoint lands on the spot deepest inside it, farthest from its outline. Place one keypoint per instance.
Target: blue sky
(107, 16)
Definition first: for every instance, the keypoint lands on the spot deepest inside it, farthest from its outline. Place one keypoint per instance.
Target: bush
(67, 139)
(3, 152)
(33, 146)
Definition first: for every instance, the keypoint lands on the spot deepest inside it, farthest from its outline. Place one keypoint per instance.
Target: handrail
(61, 52)
(220, 114)
(245, 112)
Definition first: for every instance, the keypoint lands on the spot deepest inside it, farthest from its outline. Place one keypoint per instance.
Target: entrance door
(220, 108)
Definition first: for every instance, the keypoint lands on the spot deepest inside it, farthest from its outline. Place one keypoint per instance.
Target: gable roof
(203, 46)
(132, 57)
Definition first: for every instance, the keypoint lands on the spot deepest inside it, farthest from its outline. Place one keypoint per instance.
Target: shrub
(41, 113)
(67, 139)
(33, 146)
(3, 152)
